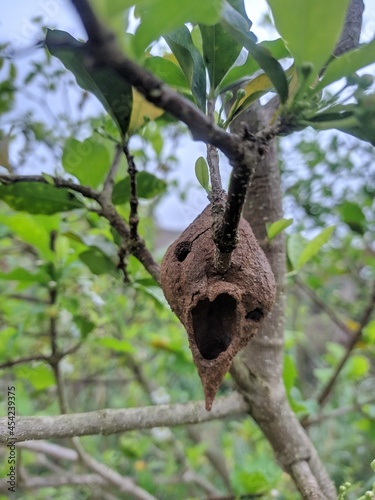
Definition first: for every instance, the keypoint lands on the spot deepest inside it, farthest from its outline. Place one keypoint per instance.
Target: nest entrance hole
(214, 325)
(182, 250)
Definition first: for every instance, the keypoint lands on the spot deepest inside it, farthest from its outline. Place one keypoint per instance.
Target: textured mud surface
(221, 313)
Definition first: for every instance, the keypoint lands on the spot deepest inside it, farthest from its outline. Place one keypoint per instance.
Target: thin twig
(249, 155)
(57, 481)
(54, 450)
(323, 306)
(337, 413)
(137, 248)
(26, 298)
(110, 179)
(133, 217)
(108, 211)
(58, 182)
(20, 361)
(189, 475)
(366, 316)
(213, 160)
(46, 359)
(55, 357)
(124, 484)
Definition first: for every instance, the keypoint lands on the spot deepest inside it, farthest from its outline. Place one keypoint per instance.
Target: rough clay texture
(221, 313)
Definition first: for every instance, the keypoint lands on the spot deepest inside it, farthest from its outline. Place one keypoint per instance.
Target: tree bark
(258, 370)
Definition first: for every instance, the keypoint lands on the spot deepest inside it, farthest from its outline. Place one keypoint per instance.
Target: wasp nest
(221, 313)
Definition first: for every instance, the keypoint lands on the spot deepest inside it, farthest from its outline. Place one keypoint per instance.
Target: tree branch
(54, 450)
(46, 359)
(108, 211)
(57, 481)
(337, 413)
(110, 179)
(58, 182)
(366, 316)
(352, 28)
(18, 296)
(323, 306)
(113, 421)
(124, 484)
(250, 154)
(133, 217)
(106, 52)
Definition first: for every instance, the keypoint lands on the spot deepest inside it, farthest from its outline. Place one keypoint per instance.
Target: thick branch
(113, 421)
(106, 52)
(352, 28)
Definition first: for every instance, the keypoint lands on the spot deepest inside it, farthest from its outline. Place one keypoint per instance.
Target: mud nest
(221, 313)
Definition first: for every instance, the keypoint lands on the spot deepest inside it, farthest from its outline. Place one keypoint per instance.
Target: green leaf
(240, 74)
(97, 262)
(358, 367)
(310, 28)
(201, 172)
(34, 230)
(295, 245)
(155, 293)
(148, 186)
(277, 227)
(236, 26)
(352, 214)
(191, 62)
(219, 52)
(348, 63)
(40, 376)
(117, 345)
(37, 198)
(252, 91)
(94, 241)
(84, 325)
(167, 71)
(159, 17)
(313, 247)
(253, 482)
(22, 275)
(112, 91)
(289, 372)
(89, 161)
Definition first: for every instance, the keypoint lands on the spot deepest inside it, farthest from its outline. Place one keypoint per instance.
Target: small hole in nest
(256, 314)
(182, 250)
(214, 325)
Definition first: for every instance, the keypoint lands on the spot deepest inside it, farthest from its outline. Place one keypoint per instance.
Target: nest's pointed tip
(211, 381)
(209, 400)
